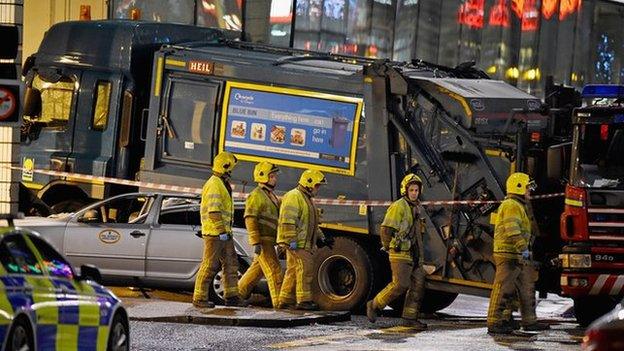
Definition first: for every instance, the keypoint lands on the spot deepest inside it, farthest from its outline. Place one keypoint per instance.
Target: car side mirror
(91, 216)
(90, 272)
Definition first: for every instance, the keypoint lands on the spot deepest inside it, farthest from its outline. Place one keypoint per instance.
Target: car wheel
(589, 308)
(21, 336)
(217, 287)
(118, 338)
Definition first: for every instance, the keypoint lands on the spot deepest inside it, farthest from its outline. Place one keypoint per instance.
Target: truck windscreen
(600, 161)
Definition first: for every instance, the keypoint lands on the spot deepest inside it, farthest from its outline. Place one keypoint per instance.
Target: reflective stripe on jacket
(216, 198)
(512, 231)
(400, 217)
(298, 220)
(263, 207)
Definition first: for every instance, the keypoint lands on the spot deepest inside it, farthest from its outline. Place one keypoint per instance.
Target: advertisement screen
(291, 127)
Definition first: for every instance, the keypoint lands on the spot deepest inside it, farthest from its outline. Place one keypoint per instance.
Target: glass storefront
(520, 41)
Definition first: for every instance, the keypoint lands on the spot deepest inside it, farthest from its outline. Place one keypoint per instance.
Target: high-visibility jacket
(261, 214)
(217, 209)
(298, 220)
(512, 232)
(401, 217)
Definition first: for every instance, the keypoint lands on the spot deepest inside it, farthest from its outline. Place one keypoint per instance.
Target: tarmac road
(461, 326)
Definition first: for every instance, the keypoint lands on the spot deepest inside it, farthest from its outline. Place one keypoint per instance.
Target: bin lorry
(363, 122)
(592, 225)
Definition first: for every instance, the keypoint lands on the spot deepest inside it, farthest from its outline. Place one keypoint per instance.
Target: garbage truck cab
(85, 95)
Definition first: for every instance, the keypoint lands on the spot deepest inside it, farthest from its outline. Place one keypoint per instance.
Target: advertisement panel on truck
(291, 127)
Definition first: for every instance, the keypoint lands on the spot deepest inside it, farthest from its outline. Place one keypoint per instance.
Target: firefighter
(217, 211)
(401, 238)
(261, 214)
(299, 233)
(515, 275)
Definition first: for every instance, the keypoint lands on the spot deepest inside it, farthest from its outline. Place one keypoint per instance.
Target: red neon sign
(499, 14)
(549, 8)
(568, 7)
(530, 16)
(471, 13)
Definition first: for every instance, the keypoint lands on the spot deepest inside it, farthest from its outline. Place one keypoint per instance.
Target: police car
(45, 305)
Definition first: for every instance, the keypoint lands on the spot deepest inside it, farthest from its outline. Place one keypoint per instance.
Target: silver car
(139, 239)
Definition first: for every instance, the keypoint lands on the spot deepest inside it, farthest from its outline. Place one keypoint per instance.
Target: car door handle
(137, 233)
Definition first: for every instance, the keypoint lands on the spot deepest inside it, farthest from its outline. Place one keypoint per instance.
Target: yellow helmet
(262, 171)
(518, 183)
(310, 178)
(224, 162)
(408, 180)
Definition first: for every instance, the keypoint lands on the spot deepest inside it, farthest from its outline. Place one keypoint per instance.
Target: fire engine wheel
(588, 308)
(344, 276)
(433, 301)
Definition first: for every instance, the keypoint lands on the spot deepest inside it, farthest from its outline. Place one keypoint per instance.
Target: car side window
(16, 256)
(130, 209)
(56, 265)
(180, 211)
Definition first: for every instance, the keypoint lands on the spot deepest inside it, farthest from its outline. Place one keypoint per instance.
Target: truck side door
(49, 129)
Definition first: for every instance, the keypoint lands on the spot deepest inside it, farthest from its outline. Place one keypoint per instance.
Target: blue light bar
(608, 91)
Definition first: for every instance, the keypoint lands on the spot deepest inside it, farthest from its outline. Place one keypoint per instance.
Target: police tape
(242, 195)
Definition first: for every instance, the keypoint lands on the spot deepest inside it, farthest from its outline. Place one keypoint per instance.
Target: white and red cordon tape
(239, 195)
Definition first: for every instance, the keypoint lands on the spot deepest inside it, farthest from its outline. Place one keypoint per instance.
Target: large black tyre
(344, 276)
(119, 335)
(589, 308)
(21, 336)
(216, 288)
(433, 301)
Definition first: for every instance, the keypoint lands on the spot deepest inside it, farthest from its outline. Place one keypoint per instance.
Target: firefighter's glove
(329, 242)
(526, 254)
(257, 249)
(293, 245)
(224, 236)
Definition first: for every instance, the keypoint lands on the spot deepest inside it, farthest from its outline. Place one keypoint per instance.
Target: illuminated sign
(499, 14)
(291, 127)
(471, 13)
(201, 67)
(549, 8)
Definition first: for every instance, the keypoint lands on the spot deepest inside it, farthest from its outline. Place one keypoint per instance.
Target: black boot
(236, 302)
(371, 311)
(286, 305)
(536, 326)
(500, 329)
(307, 306)
(414, 324)
(513, 324)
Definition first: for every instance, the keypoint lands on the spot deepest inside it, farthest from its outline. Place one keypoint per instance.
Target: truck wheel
(589, 308)
(344, 276)
(68, 206)
(433, 301)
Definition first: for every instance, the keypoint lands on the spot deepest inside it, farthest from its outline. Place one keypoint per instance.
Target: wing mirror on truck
(32, 103)
(557, 160)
